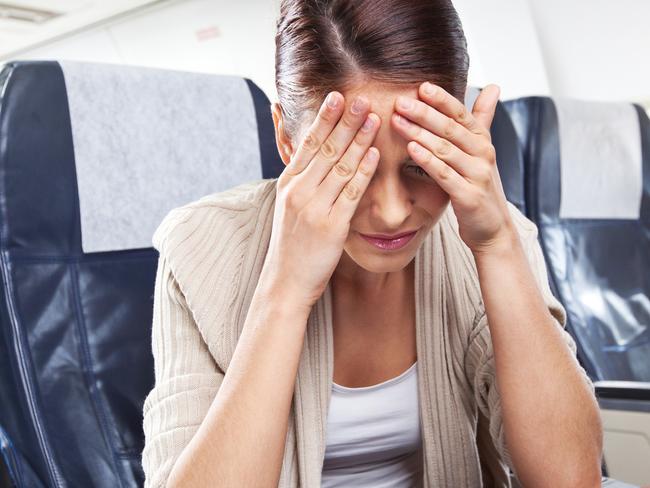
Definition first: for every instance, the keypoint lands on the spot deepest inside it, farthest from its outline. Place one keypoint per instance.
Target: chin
(382, 265)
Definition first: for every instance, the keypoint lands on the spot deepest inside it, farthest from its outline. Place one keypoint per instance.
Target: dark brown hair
(326, 45)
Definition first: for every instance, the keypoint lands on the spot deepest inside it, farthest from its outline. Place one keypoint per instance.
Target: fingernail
(332, 100)
(357, 106)
(405, 103)
(367, 125)
(428, 88)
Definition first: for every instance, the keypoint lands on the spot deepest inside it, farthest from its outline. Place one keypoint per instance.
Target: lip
(390, 244)
(387, 237)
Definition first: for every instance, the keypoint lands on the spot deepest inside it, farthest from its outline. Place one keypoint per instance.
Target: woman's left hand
(455, 148)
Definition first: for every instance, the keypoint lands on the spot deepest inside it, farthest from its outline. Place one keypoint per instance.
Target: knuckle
(348, 124)
(449, 128)
(479, 130)
(290, 200)
(328, 150)
(485, 174)
(308, 216)
(365, 170)
(310, 141)
(351, 191)
(443, 147)
(359, 139)
(342, 169)
(490, 153)
(445, 172)
(462, 114)
(328, 115)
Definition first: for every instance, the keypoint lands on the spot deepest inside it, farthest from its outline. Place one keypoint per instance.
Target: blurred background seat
(92, 157)
(586, 180)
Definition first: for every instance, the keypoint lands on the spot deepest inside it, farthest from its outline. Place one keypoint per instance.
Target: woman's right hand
(316, 196)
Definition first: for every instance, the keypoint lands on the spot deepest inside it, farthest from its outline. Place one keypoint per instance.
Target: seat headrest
(601, 170)
(114, 148)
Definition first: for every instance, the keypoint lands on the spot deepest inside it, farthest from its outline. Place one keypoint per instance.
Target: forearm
(550, 417)
(241, 441)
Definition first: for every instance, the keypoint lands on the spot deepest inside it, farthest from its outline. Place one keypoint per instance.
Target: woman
(294, 349)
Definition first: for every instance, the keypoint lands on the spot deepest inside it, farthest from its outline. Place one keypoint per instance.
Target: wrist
(278, 297)
(501, 247)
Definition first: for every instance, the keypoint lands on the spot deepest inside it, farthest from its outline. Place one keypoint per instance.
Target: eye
(418, 170)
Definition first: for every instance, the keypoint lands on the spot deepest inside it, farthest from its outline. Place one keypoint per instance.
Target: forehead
(382, 96)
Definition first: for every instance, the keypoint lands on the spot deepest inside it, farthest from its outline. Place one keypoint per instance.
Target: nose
(391, 204)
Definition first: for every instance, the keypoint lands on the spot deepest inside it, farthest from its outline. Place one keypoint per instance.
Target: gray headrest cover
(148, 140)
(601, 161)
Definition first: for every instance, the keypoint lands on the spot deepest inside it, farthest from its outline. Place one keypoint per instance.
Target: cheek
(431, 198)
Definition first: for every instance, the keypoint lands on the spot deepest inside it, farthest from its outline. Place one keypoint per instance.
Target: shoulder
(205, 242)
(226, 210)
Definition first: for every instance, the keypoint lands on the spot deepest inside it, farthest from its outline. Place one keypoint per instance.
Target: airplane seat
(92, 157)
(587, 188)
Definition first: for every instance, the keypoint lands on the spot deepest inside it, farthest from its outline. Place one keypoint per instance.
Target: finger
(486, 105)
(343, 171)
(449, 105)
(337, 142)
(346, 204)
(328, 116)
(446, 176)
(424, 115)
(463, 163)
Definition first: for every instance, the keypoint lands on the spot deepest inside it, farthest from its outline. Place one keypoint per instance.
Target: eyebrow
(407, 159)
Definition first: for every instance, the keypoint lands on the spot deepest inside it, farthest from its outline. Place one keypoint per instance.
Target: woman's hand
(455, 148)
(316, 196)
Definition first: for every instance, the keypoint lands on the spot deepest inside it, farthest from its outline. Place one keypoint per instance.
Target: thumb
(486, 104)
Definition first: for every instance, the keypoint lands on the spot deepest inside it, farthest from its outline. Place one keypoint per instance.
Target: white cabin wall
(595, 49)
(503, 46)
(211, 36)
(590, 49)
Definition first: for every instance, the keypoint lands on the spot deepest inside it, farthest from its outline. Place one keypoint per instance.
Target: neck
(355, 281)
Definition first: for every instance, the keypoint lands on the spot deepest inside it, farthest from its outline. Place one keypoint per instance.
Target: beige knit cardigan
(211, 253)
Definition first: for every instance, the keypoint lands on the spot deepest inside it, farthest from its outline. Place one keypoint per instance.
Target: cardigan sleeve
(479, 358)
(186, 379)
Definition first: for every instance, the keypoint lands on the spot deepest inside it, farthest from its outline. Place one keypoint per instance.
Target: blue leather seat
(85, 176)
(594, 223)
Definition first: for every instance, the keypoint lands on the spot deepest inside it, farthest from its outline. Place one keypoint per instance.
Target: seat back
(92, 157)
(587, 187)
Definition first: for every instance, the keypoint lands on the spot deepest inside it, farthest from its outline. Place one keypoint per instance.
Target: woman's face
(398, 199)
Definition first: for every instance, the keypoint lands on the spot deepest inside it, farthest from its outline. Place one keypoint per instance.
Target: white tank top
(373, 435)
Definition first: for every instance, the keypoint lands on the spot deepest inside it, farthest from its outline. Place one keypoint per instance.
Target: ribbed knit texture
(211, 255)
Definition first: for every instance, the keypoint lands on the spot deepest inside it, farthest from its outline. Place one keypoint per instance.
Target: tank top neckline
(388, 382)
